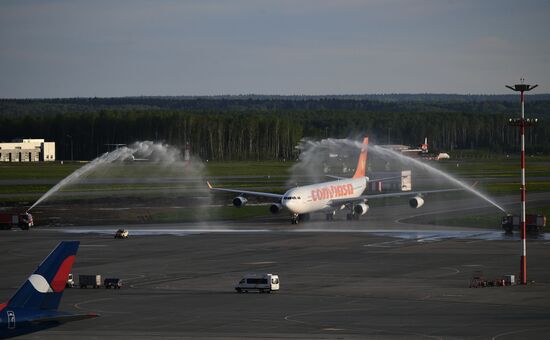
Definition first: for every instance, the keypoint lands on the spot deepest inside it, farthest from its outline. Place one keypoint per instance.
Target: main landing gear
(352, 216)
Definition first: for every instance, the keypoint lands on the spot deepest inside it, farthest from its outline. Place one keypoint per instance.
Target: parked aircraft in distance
(329, 197)
(34, 305)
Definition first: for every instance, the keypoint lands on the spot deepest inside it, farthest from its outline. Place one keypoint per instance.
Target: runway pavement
(338, 280)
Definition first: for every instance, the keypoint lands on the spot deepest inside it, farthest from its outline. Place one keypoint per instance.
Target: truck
(70, 281)
(89, 280)
(533, 222)
(263, 283)
(112, 282)
(21, 220)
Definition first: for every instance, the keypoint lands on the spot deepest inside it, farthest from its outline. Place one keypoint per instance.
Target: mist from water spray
(312, 161)
(313, 153)
(156, 153)
(435, 171)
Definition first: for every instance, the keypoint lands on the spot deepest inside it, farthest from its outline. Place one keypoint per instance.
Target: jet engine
(361, 209)
(275, 208)
(416, 202)
(239, 201)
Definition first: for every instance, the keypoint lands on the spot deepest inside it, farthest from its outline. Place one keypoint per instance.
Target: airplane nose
(289, 204)
(284, 202)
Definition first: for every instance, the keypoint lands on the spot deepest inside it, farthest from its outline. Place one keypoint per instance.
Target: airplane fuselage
(318, 197)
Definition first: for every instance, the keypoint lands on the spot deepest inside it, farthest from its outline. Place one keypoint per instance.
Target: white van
(264, 283)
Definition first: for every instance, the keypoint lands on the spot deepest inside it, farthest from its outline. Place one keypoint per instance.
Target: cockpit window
(291, 198)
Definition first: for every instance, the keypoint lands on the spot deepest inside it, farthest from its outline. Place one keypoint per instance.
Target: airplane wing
(245, 192)
(340, 202)
(370, 180)
(385, 178)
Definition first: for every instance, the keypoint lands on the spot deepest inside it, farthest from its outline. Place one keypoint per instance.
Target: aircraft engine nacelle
(416, 202)
(239, 201)
(361, 208)
(275, 208)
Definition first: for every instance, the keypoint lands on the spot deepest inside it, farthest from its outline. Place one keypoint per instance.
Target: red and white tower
(522, 123)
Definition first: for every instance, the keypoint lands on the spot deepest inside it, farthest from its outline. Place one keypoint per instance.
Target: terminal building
(27, 150)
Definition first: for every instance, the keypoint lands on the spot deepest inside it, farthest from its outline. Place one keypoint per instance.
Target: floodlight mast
(522, 122)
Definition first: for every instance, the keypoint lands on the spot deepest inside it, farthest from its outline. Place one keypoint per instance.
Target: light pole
(522, 123)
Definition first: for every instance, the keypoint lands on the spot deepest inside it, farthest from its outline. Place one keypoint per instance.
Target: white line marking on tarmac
(79, 306)
(456, 271)
(291, 317)
(517, 332)
(387, 244)
(260, 263)
(112, 209)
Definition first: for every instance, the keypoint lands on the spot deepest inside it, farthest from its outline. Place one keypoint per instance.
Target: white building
(27, 150)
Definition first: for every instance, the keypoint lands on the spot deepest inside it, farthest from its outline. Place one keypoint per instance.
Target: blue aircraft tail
(44, 288)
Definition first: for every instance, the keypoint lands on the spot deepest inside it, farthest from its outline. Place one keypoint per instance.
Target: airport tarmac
(349, 281)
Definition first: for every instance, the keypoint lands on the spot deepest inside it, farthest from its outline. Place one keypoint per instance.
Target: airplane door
(11, 319)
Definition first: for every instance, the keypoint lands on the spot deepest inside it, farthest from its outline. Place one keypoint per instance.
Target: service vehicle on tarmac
(263, 283)
(121, 233)
(70, 281)
(21, 220)
(112, 282)
(89, 280)
(533, 223)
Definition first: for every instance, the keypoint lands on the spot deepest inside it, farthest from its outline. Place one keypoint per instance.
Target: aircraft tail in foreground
(34, 306)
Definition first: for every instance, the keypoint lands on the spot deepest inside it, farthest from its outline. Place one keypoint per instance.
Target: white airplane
(330, 196)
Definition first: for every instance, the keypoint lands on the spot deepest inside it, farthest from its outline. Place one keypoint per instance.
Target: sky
(72, 48)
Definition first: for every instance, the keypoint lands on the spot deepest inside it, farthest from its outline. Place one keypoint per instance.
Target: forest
(269, 127)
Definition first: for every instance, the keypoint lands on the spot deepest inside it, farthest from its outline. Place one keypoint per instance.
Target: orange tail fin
(362, 163)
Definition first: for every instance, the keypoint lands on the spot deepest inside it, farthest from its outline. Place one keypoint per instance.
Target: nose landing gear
(296, 218)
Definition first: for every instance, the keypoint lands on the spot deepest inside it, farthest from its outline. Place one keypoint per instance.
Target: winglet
(209, 185)
(362, 163)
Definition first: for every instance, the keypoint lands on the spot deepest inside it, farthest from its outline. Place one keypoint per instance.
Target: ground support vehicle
(533, 223)
(263, 283)
(112, 282)
(121, 233)
(70, 281)
(21, 220)
(93, 281)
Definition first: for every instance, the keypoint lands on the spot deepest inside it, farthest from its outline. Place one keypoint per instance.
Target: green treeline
(227, 134)
(396, 103)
